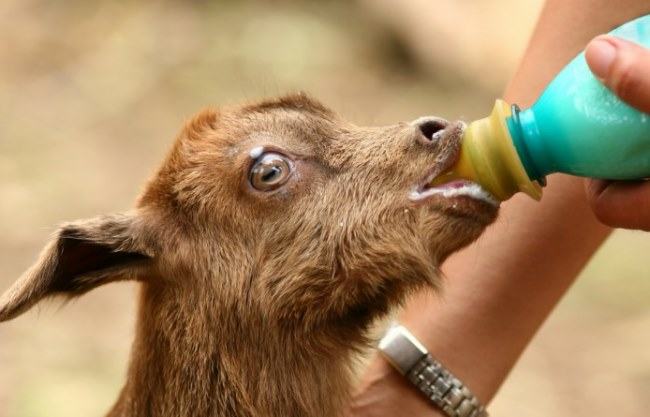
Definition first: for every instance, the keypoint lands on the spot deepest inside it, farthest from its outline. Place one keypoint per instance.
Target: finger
(623, 67)
(624, 204)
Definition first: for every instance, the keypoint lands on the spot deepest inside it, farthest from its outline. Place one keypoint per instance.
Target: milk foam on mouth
(456, 189)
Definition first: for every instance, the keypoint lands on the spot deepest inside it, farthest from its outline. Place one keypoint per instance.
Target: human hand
(624, 68)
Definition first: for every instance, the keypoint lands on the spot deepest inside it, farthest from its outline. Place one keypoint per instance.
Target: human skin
(623, 67)
(500, 290)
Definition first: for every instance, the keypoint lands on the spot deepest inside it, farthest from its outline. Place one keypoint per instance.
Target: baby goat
(267, 243)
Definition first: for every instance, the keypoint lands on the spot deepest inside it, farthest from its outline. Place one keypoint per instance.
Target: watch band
(406, 354)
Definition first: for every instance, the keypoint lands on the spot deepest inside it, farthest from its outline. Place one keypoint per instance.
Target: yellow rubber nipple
(488, 157)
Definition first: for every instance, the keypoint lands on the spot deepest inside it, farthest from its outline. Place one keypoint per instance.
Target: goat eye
(270, 172)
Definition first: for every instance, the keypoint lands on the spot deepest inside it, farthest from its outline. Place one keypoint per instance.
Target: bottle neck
(524, 132)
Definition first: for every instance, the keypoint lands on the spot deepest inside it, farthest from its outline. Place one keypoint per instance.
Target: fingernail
(600, 55)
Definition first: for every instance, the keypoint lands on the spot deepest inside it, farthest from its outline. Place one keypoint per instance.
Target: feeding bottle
(577, 126)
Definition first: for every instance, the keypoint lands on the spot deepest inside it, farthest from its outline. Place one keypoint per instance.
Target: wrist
(455, 339)
(442, 389)
(384, 389)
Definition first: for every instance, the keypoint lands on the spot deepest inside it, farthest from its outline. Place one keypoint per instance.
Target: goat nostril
(430, 129)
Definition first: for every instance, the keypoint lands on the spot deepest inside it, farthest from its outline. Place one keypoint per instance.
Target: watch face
(401, 348)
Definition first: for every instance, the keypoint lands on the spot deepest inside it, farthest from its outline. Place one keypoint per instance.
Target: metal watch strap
(442, 388)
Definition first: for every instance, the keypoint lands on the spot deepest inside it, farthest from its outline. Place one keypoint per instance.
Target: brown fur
(253, 304)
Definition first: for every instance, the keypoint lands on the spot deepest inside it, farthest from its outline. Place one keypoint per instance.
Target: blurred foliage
(92, 93)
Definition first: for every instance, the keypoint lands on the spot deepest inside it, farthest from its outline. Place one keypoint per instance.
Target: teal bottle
(579, 127)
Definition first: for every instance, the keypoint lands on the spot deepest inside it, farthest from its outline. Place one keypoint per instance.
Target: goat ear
(81, 256)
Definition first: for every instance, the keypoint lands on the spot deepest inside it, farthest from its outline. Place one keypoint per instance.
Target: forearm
(500, 290)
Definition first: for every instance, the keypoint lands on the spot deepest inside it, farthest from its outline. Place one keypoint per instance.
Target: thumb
(623, 67)
(623, 204)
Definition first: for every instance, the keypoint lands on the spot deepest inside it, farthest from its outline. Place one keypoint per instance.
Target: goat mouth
(456, 189)
(452, 190)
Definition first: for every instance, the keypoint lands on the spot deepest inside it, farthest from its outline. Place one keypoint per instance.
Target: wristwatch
(406, 354)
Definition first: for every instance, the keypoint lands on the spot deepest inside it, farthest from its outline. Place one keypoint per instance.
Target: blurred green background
(92, 93)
